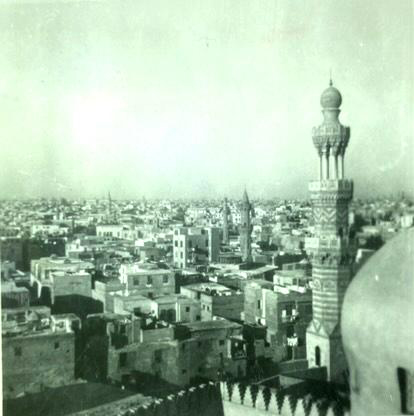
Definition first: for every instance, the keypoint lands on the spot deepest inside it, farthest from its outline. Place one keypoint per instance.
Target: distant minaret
(246, 229)
(329, 250)
(225, 222)
(109, 206)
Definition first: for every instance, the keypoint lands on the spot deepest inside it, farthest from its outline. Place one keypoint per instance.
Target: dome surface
(331, 98)
(378, 330)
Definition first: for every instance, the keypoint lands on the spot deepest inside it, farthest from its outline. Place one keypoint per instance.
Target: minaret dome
(331, 98)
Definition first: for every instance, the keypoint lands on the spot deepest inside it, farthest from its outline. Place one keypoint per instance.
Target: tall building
(329, 249)
(246, 229)
(225, 222)
(195, 245)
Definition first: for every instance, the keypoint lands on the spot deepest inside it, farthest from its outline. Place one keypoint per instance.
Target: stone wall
(33, 362)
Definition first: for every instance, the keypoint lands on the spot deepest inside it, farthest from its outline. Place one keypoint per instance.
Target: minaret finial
(330, 77)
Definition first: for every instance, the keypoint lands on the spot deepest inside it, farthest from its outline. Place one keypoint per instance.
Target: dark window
(149, 280)
(221, 342)
(165, 279)
(318, 356)
(206, 243)
(187, 309)
(199, 343)
(259, 304)
(290, 331)
(56, 345)
(176, 243)
(288, 310)
(17, 351)
(122, 359)
(122, 329)
(406, 384)
(184, 371)
(158, 356)
(190, 244)
(183, 347)
(136, 281)
(198, 318)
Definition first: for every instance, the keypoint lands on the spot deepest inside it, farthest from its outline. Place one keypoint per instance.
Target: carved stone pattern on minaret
(330, 215)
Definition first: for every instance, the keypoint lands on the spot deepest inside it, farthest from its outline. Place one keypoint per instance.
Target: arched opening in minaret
(317, 356)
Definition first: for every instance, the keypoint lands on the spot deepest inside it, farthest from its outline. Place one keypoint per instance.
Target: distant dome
(377, 329)
(331, 98)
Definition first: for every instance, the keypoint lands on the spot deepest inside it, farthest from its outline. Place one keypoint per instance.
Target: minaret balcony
(331, 189)
(331, 185)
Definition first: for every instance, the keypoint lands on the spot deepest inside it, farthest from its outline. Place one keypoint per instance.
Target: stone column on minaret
(329, 249)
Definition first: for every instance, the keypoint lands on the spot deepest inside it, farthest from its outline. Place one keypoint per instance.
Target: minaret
(329, 250)
(246, 229)
(225, 222)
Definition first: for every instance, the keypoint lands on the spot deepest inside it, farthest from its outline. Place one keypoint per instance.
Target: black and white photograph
(207, 207)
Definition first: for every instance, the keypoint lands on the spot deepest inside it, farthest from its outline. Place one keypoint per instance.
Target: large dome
(331, 98)
(377, 328)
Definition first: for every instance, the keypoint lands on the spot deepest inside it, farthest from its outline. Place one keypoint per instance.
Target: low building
(41, 268)
(284, 311)
(36, 354)
(216, 300)
(13, 296)
(130, 303)
(67, 284)
(104, 292)
(131, 348)
(176, 308)
(147, 279)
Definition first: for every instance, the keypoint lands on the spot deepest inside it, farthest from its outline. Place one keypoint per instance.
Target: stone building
(195, 245)
(284, 311)
(216, 300)
(176, 308)
(41, 268)
(103, 292)
(13, 296)
(329, 249)
(147, 279)
(63, 283)
(11, 249)
(128, 348)
(36, 354)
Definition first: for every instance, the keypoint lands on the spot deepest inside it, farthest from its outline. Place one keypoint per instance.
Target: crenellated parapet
(225, 399)
(264, 400)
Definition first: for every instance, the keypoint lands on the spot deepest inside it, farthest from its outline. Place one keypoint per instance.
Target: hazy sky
(200, 98)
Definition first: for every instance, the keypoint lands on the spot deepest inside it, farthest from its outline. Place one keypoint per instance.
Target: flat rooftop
(209, 325)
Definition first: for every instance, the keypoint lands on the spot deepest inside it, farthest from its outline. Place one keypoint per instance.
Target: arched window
(317, 356)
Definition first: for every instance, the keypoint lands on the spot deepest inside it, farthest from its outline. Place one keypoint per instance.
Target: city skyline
(162, 99)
